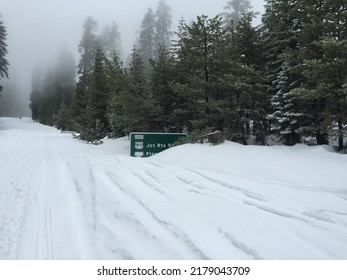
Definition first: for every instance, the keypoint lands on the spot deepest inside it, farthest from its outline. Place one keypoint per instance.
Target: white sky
(37, 29)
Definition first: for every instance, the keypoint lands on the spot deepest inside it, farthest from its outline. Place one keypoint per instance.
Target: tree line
(3, 51)
(220, 75)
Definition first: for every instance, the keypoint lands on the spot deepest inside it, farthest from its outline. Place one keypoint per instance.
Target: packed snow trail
(61, 198)
(40, 213)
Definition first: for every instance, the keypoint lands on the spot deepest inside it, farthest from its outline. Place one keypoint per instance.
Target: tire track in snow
(242, 246)
(14, 194)
(282, 214)
(88, 196)
(174, 230)
(324, 216)
(36, 240)
(194, 173)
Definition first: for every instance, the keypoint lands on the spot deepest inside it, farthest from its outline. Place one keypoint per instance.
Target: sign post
(145, 144)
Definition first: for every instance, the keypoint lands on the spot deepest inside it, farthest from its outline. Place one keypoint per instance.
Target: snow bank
(61, 198)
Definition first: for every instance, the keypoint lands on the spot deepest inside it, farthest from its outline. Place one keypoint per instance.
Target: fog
(38, 29)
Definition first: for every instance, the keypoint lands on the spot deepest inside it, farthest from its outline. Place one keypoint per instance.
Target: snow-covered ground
(61, 198)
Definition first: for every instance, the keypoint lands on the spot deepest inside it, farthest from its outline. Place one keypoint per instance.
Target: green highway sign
(145, 144)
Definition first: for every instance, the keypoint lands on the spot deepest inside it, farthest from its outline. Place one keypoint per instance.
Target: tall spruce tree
(98, 95)
(87, 49)
(118, 82)
(138, 110)
(3, 51)
(324, 37)
(65, 75)
(146, 43)
(235, 10)
(36, 94)
(184, 108)
(110, 41)
(202, 57)
(281, 34)
(52, 89)
(162, 78)
(250, 82)
(163, 32)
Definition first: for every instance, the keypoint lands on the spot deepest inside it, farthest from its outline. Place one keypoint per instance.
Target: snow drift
(61, 198)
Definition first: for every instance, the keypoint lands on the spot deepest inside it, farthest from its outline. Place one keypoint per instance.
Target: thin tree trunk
(340, 136)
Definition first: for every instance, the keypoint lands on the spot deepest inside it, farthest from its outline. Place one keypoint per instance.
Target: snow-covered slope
(61, 198)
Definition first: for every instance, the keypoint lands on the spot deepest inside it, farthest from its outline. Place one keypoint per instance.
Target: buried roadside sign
(145, 144)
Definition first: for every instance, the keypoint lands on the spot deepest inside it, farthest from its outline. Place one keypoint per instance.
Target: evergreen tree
(146, 43)
(65, 83)
(3, 51)
(183, 109)
(325, 67)
(36, 94)
(163, 32)
(52, 89)
(93, 118)
(65, 76)
(281, 34)
(162, 78)
(305, 49)
(98, 97)
(49, 99)
(118, 81)
(110, 41)
(249, 79)
(87, 48)
(201, 59)
(138, 111)
(236, 9)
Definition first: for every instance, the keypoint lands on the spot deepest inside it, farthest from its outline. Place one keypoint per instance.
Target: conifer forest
(222, 76)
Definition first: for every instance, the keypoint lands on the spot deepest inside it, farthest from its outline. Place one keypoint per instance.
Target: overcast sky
(38, 29)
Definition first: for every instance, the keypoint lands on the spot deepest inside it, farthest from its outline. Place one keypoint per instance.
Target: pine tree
(65, 75)
(36, 94)
(201, 59)
(146, 43)
(163, 32)
(162, 78)
(250, 82)
(95, 120)
(118, 81)
(281, 34)
(184, 108)
(3, 51)
(325, 67)
(98, 95)
(110, 41)
(87, 48)
(50, 100)
(236, 9)
(138, 110)
(52, 89)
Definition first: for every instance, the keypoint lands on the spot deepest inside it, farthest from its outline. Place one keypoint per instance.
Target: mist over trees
(219, 76)
(3, 51)
(11, 100)
(52, 88)
(155, 32)
(235, 10)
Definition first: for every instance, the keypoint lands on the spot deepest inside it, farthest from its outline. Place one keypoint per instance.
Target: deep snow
(61, 198)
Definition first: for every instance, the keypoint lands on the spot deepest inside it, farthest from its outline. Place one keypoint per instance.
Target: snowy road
(63, 199)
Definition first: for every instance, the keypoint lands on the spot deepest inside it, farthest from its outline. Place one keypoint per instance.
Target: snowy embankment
(61, 198)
